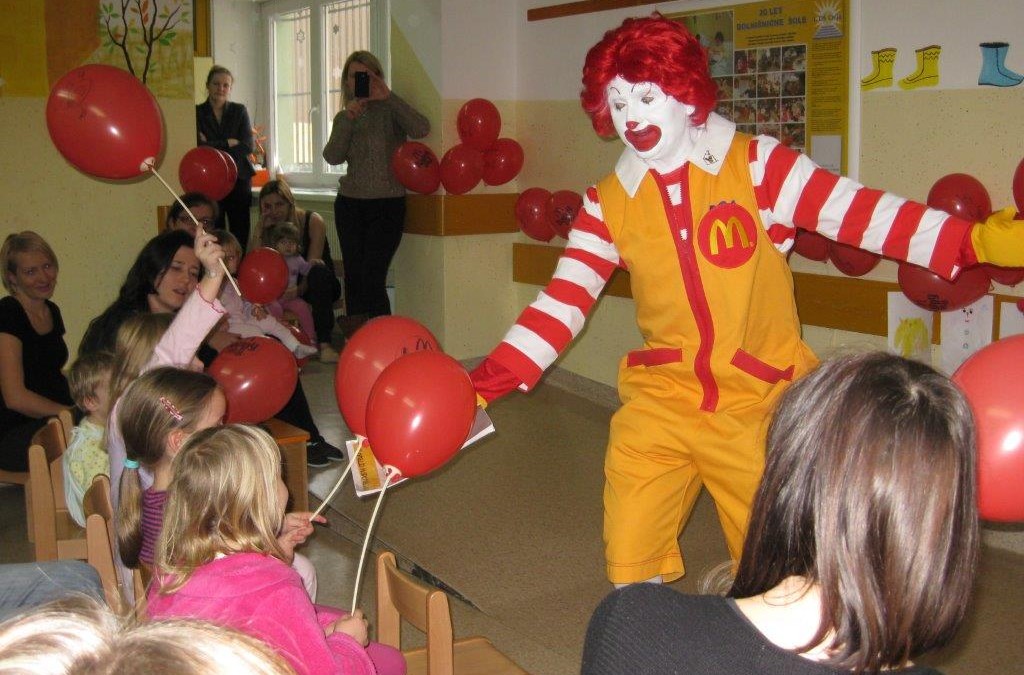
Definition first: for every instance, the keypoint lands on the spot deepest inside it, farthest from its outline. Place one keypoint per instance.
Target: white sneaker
(302, 351)
(327, 354)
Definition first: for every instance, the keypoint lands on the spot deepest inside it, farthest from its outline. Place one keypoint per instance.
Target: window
(308, 44)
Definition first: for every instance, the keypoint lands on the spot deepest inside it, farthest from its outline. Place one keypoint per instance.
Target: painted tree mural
(136, 27)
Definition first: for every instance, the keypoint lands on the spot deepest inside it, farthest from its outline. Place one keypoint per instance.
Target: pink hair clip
(171, 408)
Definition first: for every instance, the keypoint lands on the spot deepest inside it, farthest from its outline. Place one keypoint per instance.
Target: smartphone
(362, 88)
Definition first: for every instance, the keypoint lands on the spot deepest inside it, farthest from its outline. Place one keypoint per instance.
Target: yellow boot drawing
(881, 76)
(927, 73)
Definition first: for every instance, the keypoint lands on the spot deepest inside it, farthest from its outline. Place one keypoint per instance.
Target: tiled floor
(513, 525)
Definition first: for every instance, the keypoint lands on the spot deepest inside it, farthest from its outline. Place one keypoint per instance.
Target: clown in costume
(702, 217)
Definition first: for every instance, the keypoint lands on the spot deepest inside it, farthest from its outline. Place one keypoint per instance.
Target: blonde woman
(32, 347)
(320, 286)
(369, 211)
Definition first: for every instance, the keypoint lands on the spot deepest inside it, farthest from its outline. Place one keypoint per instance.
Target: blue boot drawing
(993, 72)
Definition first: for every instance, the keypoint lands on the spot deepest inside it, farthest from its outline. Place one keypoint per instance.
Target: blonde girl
(222, 557)
(158, 412)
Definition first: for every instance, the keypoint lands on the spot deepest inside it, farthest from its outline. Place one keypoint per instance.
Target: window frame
(323, 175)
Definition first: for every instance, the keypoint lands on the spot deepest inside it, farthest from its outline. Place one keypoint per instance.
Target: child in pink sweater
(221, 558)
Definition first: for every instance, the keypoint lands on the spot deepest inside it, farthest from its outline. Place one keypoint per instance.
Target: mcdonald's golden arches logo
(727, 235)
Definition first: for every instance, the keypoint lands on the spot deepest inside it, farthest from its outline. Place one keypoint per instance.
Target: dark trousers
(236, 208)
(322, 290)
(369, 231)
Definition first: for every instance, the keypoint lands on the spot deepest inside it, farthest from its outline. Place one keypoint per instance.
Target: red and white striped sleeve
(792, 191)
(556, 317)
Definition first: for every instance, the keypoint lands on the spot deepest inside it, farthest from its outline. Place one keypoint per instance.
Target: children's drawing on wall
(152, 39)
(965, 331)
(1011, 318)
(994, 72)
(910, 329)
(926, 73)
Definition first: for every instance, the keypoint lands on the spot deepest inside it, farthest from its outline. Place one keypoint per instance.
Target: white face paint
(655, 125)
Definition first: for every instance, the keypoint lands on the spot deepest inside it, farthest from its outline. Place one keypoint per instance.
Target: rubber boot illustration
(881, 61)
(927, 73)
(993, 71)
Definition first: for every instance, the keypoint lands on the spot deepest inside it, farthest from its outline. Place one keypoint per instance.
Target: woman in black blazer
(225, 125)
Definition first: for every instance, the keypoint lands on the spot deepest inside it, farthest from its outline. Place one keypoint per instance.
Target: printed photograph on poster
(1011, 318)
(965, 331)
(910, 329)
(758, 55)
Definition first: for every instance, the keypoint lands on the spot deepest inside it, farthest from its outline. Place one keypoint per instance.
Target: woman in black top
(862, 546)
(32, 348)
(225, 125)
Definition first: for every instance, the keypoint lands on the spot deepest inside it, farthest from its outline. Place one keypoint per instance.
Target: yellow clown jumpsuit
(715, 306)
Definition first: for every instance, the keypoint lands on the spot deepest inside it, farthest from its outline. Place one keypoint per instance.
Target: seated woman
(202, 207)
(320, 288)
(32, 347)
(862, 547)
(163, 276)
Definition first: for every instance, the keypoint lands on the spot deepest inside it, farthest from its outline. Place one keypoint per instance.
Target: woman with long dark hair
(862, 547)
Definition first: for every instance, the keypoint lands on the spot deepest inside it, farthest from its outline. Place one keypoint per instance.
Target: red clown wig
(650, 49)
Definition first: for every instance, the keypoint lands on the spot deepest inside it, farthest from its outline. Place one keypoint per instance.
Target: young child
(284, 238)
(221, 558)
(158, 412)
(243, 317)
(86, 456)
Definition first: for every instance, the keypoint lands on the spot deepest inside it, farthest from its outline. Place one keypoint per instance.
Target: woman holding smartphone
(369, 210)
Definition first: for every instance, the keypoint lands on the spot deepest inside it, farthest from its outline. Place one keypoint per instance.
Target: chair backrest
(51, 438)
(67, 423)
(400, 596)
(100, 543)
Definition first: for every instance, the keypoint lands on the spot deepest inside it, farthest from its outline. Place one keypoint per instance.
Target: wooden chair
(100, 538)
(400, 596)
(57, 536)
(21, 478)
(67, 423)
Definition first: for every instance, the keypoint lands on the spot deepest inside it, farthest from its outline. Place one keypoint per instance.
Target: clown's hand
(999, 240)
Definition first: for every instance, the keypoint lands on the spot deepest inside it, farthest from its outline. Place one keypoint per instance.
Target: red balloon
(478, 123)
(561, 210)
(991, 380)
(532, 214)
(258, 376)
(502, 161)
(461, 169)
(416, 167)
(1008, 276)
(928, 290)
(852, 261)
(262, 275)
(419, 412)
(303, 338)
(204, 170)
(105, 122)
(961, 195)
(1018, 186)
(366, 354)
(232, 166)
(811, 245)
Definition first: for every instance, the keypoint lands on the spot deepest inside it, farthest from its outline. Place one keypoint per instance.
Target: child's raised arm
(210, 254)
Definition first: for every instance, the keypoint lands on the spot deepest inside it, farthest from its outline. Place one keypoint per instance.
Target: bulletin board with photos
(782, 70)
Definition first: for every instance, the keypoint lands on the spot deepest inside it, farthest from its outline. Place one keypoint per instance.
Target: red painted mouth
(644, 140)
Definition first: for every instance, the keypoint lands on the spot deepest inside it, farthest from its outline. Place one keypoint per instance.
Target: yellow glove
(481, 401)
(1000, 239)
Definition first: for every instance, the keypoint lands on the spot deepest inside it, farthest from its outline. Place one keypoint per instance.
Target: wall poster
(782, 70)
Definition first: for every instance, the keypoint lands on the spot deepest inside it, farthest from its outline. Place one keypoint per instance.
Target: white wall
(236, 46)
